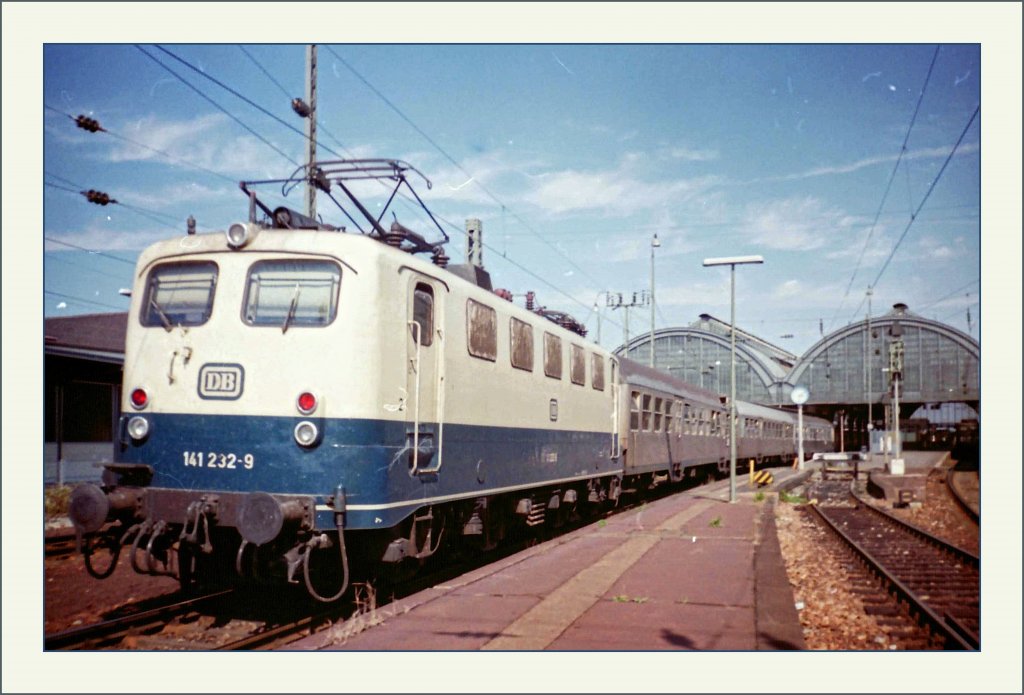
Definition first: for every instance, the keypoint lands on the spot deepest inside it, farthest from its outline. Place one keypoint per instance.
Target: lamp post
(799, 396)
(867, 366)
(654, 244)
(732, 262)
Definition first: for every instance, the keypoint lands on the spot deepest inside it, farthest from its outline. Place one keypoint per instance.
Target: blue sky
(572, 155)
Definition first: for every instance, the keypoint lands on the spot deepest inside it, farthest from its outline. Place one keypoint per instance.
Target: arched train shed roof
(940, 363)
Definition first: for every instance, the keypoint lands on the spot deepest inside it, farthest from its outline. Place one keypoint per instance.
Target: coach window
(669, 408)
(597, 372)
(423, 312)
(634, 411)
(657, 415)
(552, 356)
(179, 294)
(522, 345)
(292, 293)
(578, 365)
(482, 330)
(647, 412)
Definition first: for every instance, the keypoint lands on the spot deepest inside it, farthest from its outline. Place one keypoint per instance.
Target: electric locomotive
(291, 389)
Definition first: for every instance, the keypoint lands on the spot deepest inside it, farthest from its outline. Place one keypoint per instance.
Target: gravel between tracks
(832, 617)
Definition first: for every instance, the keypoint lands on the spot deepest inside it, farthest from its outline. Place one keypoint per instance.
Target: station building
(844, 372)
(82, 367)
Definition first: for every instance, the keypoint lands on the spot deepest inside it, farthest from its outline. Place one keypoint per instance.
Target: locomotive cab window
(423, 312)
(482, 330)
(522, 345)
(179, 294)
(286, 293)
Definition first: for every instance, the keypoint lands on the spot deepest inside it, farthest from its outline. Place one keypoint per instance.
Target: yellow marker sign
(763, 478)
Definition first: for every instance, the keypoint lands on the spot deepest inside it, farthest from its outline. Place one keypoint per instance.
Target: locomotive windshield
(179, 294)
(287, 293)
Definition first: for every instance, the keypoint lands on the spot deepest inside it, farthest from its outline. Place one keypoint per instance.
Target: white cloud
(797, 224)
(789, 289)
(929, 153)
(692, 155)
(611, 191)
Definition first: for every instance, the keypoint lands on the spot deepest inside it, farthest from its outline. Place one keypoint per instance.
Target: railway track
(145, 621)
(935, 582)
(224, 621)
(963, 485)
(62, 544)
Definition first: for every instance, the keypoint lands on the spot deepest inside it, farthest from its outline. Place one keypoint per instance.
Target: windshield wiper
(291, 309)
(164, 319)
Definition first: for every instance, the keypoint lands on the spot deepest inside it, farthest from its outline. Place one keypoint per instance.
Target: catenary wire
(459, 166)
(82, 301)
(888, 187)
(217, 106)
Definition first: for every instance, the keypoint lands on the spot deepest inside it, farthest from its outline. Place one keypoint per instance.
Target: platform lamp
(799, 396)
(732, 262)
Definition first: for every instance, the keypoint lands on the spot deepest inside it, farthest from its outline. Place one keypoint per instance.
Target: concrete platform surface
(688, 572)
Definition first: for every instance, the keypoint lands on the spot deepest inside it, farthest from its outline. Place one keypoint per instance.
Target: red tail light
(306, 403)
(139, 398)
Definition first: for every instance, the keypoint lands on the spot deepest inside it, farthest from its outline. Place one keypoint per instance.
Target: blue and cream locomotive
(297, 397)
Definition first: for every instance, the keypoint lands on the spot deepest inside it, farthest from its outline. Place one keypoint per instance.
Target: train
(305, 403)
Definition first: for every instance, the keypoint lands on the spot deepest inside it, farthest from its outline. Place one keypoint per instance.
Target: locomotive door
(424, 372)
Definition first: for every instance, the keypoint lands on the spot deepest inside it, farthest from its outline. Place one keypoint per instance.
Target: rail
(953, 633)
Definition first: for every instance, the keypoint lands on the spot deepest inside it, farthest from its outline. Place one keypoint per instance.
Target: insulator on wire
(98, 197)
(90, 124)
(300, 107)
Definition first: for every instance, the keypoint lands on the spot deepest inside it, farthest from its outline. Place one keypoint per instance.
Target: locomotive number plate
(217, 459)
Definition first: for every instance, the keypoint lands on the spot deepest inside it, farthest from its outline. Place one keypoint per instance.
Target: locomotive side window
(286, 293)
(553, 356)
(179, 294)
(482, 330)
(578, 365)
(597, 370)
(423, 312)
(522, 345)
(634, 411)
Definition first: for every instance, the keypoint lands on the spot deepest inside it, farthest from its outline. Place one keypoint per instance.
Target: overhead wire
(888, 187)
(82, 248)
(457, 165)
(150, 214)
(83, 301)
(216, 105)
(83, 267)
(402, 195)
(927, 195)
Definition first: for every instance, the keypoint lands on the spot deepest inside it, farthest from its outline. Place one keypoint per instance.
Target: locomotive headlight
(237, 235)
(306, 433)
(138, 428)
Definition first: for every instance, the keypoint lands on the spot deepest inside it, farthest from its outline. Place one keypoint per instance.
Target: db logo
(222, 382)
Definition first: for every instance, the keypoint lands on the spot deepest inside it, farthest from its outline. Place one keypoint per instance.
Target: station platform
(687, 572)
